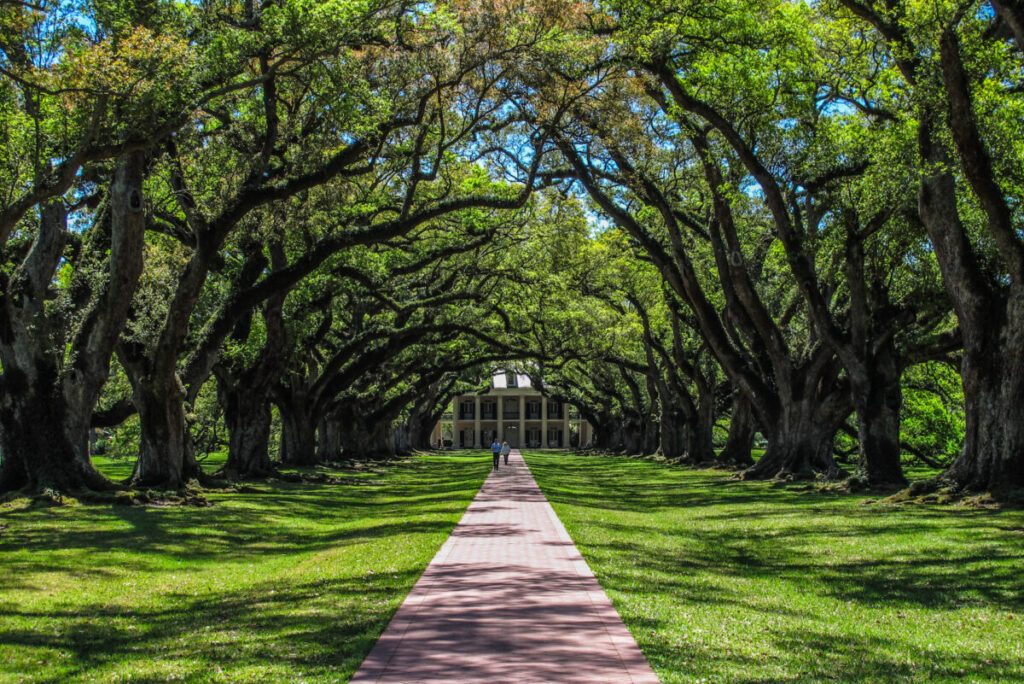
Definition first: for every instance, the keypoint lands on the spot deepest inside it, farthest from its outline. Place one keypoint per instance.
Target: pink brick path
(508, 598)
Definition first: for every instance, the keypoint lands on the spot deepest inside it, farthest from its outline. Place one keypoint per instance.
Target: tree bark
(328, 439)
(1012, 12)
(298, 435)
(631, 436)
(741, 434)
(44, 441)
(369, 440)
(992, 325)
(993, 379)
(46, 407)
(245, 395)
(700, 447)
(800, 447)
(604, 430)
(988, 305)
(166, 459)
(423, 416)
(248, 418)
(651, 434)
(991, 314)
(401, 439)
(775, 389)
(611, 434)
(672, 427)
(419, 430)
(877, 399)
(800, 440)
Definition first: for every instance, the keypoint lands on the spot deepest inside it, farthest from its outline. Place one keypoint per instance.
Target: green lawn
(292, 584)
(755, 582)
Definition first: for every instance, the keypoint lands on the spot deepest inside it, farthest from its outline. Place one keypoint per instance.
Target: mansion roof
(510, 380)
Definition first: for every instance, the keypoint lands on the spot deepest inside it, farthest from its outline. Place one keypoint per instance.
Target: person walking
(505, 448)
(495, 452)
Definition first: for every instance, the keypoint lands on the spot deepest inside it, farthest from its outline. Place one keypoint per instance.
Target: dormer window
(511, 381)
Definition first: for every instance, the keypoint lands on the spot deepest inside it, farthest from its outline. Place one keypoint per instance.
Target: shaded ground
(750, 581)
(292, 584)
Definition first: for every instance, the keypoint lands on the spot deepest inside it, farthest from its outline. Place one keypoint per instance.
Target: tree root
(833, 474)
(943, 491)
(153, 498)
(109, 497)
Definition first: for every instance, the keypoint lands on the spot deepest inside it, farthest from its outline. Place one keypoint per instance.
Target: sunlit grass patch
(751, 581)
(294, 583)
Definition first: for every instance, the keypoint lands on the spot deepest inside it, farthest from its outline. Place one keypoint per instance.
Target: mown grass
(753, 582)
(291, 584)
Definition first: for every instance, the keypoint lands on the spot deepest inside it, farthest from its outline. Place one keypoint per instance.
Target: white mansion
(511, 411)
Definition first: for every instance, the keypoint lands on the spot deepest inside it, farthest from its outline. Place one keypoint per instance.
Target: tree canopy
(296, 230)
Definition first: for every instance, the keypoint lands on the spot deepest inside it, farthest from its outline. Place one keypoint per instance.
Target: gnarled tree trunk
(631, 436)
(246, 395)
(166, 459)
(419, 426)
(700, 447)
(44, 441)
(877, 399)
(328, 439)
(248, 418)
(45, 407)
(813, 404)
(741, 434)
(298, 436)
(993, 379)
(400, 438)
(672, 427)
(362, 438)
(989, 303)
(800, 444)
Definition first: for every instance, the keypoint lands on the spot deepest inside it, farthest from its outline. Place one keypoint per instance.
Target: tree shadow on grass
(680, 538)
(641, 486)
(323, 628)
(928, 579)
(960, 571)
(268, 628)
(815, 655)
(251, 523)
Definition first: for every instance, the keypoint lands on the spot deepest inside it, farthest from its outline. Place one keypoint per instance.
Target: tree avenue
(780, 237)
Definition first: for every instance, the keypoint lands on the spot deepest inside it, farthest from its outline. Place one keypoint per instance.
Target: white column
(501, 418)
(476, 422)
(565, 426)
(522, 420)
(544, 422)
(455, 422)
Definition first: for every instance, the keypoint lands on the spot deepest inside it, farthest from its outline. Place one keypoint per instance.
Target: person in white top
(505, 448)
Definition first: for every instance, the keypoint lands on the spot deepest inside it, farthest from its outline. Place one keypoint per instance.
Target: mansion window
(488, 410)
(555, 409)
(533, 409)
(511, 408)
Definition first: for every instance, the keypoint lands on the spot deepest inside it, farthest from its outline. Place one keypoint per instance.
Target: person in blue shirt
(496, 452)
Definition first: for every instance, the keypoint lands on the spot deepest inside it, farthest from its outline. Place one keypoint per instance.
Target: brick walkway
(508, 598)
